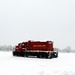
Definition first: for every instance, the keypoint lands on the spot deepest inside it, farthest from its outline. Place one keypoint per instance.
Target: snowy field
(63, 65)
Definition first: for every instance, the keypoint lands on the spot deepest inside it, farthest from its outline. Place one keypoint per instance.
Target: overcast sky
(22, 20)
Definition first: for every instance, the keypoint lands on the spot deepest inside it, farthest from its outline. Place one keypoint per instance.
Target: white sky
(22, 20)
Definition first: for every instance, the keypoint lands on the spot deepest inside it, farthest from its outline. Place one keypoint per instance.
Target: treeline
(6, 48)
(65, 50)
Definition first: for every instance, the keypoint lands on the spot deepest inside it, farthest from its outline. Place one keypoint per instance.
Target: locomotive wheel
(21, 54)
(38, 56)
(46, 56)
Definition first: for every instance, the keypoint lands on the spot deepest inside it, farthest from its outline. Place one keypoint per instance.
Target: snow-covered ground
(63, 65)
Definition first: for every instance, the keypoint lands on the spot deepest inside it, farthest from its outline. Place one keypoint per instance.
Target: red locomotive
(36, 48)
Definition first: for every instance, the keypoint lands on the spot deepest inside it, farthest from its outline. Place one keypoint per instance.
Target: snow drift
(63, 65)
